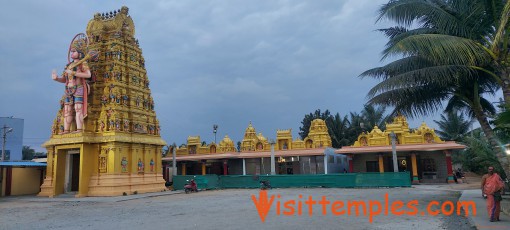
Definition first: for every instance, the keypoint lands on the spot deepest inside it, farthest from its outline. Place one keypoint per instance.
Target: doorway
(73, 172)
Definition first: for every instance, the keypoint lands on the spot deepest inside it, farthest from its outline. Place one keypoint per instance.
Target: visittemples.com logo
(368, 208)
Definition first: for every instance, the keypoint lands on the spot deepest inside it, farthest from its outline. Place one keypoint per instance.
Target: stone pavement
(481, 220)
(71, 198)
(472, 193)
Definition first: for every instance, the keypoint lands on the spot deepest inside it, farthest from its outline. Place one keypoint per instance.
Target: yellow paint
(87, 167)
(381, 164)
(25, 181)
(415, 166)
(113, 129)
(2, 185)
(203, 168)
(59, 173)
(184, 169)
(400, 127)
(318, 137)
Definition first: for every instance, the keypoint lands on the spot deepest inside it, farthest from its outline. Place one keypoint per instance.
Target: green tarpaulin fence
(346, 180)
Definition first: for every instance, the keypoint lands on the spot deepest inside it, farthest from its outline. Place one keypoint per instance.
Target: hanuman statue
(76, 88)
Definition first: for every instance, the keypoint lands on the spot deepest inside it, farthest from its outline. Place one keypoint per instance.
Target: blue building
(14, 138)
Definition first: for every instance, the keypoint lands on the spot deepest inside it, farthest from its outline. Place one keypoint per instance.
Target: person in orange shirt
(492, 188)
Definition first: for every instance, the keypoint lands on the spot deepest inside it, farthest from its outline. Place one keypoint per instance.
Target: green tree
(374, 115)
(307, 121)
(453, 126)
(478, 155)
(338, 131)
(448, 49)
(27, 153)
(449, 37)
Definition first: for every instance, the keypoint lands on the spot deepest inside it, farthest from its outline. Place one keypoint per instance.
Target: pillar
(273, 170)
(351, 163)
(415, 169)
(183, 168)
(225, 167)
(449, 166)
(203, 168)
(381, 163)
(244, 167)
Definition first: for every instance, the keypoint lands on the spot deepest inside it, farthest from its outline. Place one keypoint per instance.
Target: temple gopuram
(293, 156)
(419, 151)
(118, 150)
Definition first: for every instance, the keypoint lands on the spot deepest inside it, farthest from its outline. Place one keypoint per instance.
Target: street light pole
(6, 130)
(273, 171)
(394, 151)
(215, 129)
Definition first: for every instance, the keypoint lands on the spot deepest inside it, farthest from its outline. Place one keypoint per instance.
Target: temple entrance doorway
(72, 171)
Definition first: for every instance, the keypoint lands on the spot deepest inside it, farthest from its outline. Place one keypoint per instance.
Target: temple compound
(419, 151)
(293, 156)
(117, 149)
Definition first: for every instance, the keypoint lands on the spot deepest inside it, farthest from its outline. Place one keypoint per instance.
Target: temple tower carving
(119, 149)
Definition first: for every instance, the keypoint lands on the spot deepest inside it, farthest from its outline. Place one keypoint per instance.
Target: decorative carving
(152, 165)
(124, 163)
(103, 166)
(140, 165)
(376, 137)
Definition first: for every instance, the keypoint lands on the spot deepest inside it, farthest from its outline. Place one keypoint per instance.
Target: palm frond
(443, 49)
(441, 76)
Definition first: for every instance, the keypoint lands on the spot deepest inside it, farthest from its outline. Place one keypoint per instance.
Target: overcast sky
(209, 62)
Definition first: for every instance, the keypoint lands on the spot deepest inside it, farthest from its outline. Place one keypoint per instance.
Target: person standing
(492, 187)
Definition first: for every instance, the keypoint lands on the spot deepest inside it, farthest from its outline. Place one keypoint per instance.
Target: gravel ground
(226, 209)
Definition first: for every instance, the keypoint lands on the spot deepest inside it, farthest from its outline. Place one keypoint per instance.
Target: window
(428, 165)
(372, 166)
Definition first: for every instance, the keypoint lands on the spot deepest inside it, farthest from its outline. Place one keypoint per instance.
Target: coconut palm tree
(374, 116)
(479, 154)
(450, 50)
(450, 37)
(453, 126)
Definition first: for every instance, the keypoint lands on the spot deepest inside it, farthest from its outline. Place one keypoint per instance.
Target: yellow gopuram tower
(119, 150)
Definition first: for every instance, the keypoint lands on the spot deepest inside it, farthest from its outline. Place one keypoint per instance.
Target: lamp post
(6, 130)
(394, 151)
(174, 162)
(273, 171)
(215, 129)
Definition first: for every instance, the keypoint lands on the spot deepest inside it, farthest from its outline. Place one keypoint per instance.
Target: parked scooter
(264, 184)
(191, 186)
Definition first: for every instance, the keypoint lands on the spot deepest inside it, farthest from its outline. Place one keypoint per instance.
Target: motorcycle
(264, 184)
(190, 187)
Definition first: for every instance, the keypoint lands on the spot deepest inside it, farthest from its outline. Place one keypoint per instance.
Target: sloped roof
(22, 164)
(449, 145)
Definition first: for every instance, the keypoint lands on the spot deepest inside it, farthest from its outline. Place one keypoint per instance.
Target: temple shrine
(294, 156)
(117, 148)
(420, 152)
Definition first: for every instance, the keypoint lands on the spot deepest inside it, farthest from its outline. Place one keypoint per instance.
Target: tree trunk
(505, 77)
(506, 94)
(489, 134)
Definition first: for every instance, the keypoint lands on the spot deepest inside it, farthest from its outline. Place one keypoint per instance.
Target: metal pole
(394, 151)
(3, 142)
(325, 162)
(215, 130)
(273, 171)
(174, 163)
(244, 167)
